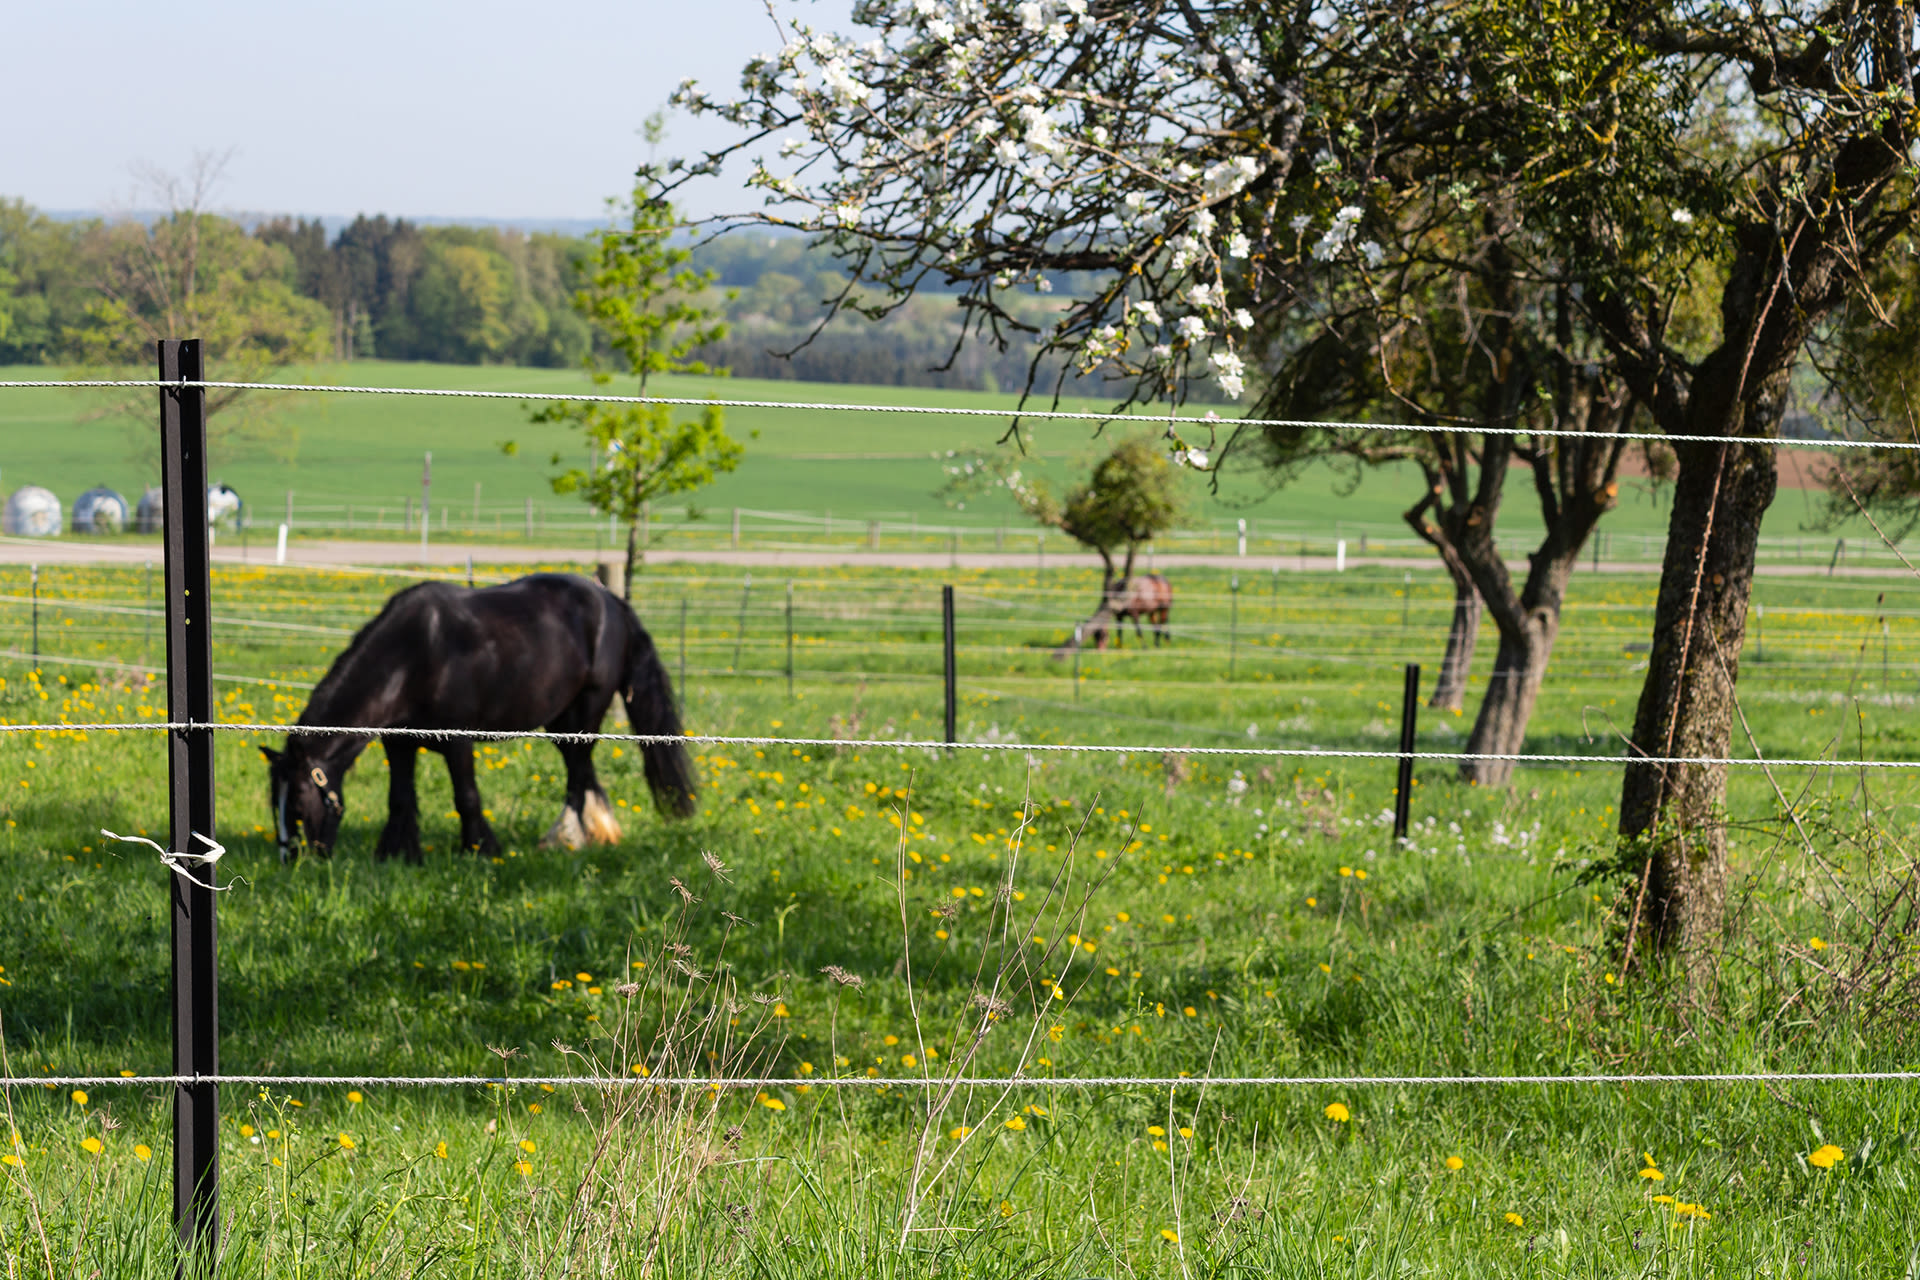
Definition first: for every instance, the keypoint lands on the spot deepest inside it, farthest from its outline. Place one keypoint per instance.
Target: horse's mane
(342, 694)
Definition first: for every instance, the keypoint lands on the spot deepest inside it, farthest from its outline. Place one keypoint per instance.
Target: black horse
(548, 651)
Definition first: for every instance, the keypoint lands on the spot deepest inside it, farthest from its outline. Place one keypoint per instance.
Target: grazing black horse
(547, 651)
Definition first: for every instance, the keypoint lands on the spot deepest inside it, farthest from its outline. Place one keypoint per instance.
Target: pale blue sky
(479, 108)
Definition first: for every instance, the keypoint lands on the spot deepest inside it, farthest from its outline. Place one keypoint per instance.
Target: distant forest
(395, 290)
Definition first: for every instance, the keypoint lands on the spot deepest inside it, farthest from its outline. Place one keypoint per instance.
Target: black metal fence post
(1233, 629)
(1403, 791)
(196, 1037)
(789, 641)
(952, 676)
(33, 574)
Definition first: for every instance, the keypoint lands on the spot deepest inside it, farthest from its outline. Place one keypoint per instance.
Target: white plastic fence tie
(973, 1082)
(174, 861)
(1044, 415)
(903, 744)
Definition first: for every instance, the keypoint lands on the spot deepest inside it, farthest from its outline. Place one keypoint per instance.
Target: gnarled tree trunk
(1528, 627)
(1463, 631)
(1687, 703)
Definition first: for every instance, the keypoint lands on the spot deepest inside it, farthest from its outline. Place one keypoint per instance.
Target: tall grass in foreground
(865, 914)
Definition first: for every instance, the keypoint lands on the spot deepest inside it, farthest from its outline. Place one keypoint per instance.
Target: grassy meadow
(353, 464)
(847, 912)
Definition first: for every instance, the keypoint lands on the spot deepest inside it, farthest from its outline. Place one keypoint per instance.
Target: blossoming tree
(1219, 170)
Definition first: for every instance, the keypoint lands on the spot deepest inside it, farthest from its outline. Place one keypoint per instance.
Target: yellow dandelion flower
(12, 1161)
(1326, 968)
(773, 1104)
(246, 1131)
(1691, 1211)
(346, 1143)
(79, 1097)
(1515, 1220)
(92, 1145)
(1818, 944)
(1338, 1113)
(1170, 1235)
(1186, 1132)
(1455, 1163)
(1653, 1175)
(1346, 871)
(1154, 1130)
(534, 1108)
(439, 1151)
(526, 1145)
(959, 1132)
(1825, 1157)
(1663, 1199)
(142, 1152)
(1006, 1208)
(1016, 1124)
(353, 1096)
(522, 1168)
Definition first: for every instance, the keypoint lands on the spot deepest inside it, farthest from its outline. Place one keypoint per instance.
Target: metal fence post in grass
(740, 633)
(1079, 638)
(789, 640)
(1233, 627)
(33, 578)
(146, 638)
(949, 661)
(196, 1039)
(1403, 791)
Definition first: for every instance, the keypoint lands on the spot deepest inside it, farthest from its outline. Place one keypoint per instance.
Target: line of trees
(392, 289)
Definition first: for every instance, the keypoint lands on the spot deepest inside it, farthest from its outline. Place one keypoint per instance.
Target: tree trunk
(1687, 703)
(1450, 691)
(1527, 634)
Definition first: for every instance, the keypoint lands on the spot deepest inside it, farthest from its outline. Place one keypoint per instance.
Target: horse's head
(304, 793)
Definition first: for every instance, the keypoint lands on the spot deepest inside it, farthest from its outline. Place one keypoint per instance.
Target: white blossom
(1228, 369)
(1043, 285)
(1243, 318)
(791, 145)
(1008, 150)
(941, 30)
(1683, 216)
(1336, 237)
(842, 83)
(1162, 351)
(1100, 135)
(1373, 253)
(1204, 222)
(1148, 313)
(1195, 458)
(1192, 328)
(1237, 245)
(847, 214)
(1230, 176)
(986, 127)
(1034, 15)
(1298, 222)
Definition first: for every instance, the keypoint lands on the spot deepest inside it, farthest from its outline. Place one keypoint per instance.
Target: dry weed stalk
(1006, 974)
(653, 1144)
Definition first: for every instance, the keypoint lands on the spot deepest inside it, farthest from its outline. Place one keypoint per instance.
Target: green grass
(1475, 951)
(366, 451)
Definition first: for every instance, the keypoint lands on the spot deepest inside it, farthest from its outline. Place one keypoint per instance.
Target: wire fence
(1173, 422)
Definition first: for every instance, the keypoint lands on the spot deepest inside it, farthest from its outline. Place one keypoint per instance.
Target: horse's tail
(651, 709)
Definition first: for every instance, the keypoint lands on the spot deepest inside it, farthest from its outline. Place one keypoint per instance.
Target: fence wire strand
(903, 744)
(1172, 421)
(735, 1083)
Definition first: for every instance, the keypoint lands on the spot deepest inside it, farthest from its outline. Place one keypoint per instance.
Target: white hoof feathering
(566, 832)
(602, 826)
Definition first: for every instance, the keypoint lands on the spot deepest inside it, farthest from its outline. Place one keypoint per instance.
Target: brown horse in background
(1148, 596)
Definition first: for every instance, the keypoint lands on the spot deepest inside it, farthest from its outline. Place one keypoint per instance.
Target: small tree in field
(645, 300)
(1132, 497)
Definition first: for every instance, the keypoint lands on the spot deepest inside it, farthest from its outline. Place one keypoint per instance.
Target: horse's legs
(587, 818)
(402, 833)
(1160, 632)
(475, 833)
